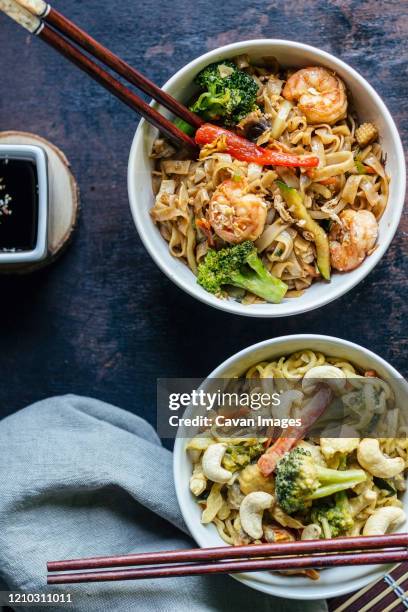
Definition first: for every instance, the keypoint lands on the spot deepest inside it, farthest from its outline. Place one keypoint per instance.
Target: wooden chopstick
(232, 552)
(63, 46)
(231, 567)
(84, 40)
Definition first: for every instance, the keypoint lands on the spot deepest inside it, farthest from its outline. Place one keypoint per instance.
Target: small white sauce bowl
(369, 107)
(39, 157)
(333, 581)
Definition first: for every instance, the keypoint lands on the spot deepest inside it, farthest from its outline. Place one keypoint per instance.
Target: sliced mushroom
(254, 125)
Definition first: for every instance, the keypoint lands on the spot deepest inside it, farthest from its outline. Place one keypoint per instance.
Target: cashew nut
(198, 481)
(212, 467)
(383, 520)
(371, 458)
(332, 376)
(251, 512)
(311, 532)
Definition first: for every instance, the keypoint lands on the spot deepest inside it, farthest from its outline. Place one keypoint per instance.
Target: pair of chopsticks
(42, 20)
(362, 550)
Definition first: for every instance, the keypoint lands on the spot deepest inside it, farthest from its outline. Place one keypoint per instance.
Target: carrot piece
(205, 227)
(371, 374)
(330, 180)
(267, 462)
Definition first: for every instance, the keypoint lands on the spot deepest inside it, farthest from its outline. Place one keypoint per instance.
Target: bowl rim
(334, 590)
(295, 306)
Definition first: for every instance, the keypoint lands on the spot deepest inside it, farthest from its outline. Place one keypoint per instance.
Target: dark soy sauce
(19, 218)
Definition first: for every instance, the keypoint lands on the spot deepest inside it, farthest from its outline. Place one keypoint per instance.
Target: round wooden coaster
(63, 200)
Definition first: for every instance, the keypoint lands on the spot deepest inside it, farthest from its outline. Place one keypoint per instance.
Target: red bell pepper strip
(247, 151)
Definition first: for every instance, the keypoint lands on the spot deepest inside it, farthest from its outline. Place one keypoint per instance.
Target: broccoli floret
(333, 515)
(240, 266)
(228, 93)
(299, 480)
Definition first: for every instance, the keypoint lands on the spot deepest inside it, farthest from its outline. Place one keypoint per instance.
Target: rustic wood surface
(103, 320)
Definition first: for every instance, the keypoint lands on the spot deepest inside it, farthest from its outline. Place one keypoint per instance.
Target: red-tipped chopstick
(336, 552)
(233, 552)
(41, 19)
(232, 567)
(41, 29)
(64, 25)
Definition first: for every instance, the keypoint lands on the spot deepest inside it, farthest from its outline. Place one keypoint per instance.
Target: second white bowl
(334, 581)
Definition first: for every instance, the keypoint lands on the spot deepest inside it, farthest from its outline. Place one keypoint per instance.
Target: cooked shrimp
(320, 94)
(351, 241)
(236, 215)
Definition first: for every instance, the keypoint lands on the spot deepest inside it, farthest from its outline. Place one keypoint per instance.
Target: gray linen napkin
(79, 477)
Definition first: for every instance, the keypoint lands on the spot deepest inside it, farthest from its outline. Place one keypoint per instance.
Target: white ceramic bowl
(334, 581)
(369, 107)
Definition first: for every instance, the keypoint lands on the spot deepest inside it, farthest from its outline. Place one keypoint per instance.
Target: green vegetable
(237, 456)
(299, 480)
(240, 266)
(333, 515)
(359, 166)
(299, 210)
(184, 126)
(342, 461)
(228, 93)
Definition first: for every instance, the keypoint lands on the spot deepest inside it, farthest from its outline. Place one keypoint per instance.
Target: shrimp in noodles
(320, 94)
(235, 215)
(353, 239)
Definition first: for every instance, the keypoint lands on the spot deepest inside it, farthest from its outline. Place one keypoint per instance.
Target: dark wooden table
(104, 321)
